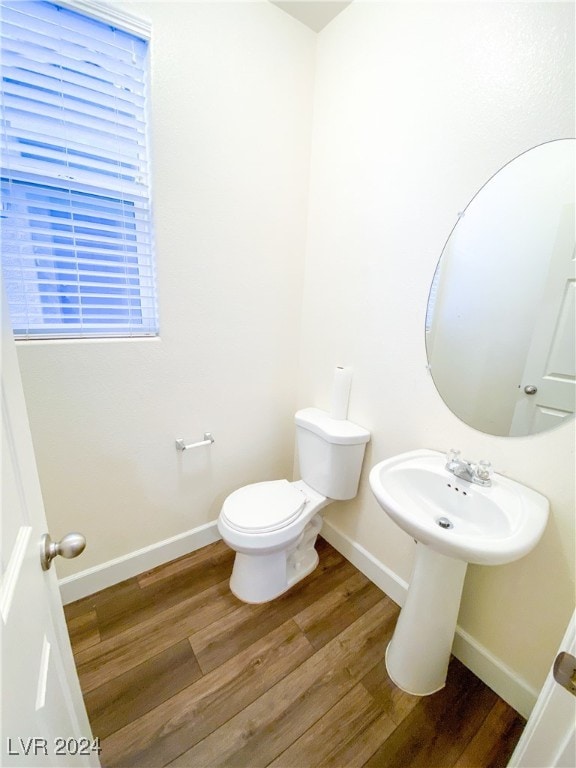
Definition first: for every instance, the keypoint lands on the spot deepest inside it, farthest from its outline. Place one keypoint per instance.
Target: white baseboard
(388, 581)
(490, 669)
(114, 571)
(495, 673)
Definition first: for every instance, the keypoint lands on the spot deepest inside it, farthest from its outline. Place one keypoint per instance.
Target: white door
(549, 739)
(548, 388)
(43, 718)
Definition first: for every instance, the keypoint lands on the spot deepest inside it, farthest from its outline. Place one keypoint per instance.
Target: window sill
(89, 341)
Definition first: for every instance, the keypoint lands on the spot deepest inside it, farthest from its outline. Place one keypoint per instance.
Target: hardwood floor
(176, 671)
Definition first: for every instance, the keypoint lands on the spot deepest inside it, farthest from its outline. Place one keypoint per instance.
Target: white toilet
(272, 526)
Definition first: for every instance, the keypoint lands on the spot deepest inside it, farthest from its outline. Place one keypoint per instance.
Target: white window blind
(77, 252)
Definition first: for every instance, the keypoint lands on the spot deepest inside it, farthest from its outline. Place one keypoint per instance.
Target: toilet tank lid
(339, 431)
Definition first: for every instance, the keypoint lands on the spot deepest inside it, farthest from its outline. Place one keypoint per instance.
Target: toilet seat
(263, 507)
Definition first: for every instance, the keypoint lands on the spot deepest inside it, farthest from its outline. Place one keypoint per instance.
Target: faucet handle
(452, 455)
(483, 470)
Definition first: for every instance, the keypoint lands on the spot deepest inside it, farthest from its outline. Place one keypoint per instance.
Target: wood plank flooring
(176, 671)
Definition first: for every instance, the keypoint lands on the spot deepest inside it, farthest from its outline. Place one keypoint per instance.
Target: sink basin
(454, 522)
(489, 525)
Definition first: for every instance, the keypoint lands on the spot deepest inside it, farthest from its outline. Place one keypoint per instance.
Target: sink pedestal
(418, 654)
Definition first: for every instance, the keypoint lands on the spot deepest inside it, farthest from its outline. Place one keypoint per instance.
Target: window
(76, 222)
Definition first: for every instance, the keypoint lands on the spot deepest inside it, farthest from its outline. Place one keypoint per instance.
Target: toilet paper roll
(341, 392)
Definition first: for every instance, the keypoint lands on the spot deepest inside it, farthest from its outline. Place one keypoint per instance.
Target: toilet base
(259, 578)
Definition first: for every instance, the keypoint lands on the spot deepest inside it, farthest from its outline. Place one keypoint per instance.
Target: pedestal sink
(454, 522)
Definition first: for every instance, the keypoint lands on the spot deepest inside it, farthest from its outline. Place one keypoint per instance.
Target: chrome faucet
(466, 470)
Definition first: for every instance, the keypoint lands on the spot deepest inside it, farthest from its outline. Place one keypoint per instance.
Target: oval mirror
(500, 323)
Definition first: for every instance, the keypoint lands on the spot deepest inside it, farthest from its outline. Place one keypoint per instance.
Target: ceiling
(315, 14)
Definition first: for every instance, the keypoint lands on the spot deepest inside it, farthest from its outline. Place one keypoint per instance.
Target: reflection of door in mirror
(551, 361)
(506, 257)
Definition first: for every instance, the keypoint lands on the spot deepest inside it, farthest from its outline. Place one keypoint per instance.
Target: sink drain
(443, 522)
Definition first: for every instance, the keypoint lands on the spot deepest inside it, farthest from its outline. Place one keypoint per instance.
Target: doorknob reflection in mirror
(71, 545)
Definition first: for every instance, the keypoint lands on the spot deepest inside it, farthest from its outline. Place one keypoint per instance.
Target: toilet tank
(330, 453)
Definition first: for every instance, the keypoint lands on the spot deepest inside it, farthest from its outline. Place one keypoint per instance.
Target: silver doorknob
(69, 546)
(530, 389)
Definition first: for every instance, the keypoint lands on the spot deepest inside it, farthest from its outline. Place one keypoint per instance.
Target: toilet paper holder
(181, 445)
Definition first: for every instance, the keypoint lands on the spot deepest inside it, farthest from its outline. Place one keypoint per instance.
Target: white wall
(232, 95)
(417, 105)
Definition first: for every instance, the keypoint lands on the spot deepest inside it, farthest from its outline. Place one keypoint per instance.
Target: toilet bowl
(272, 526)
